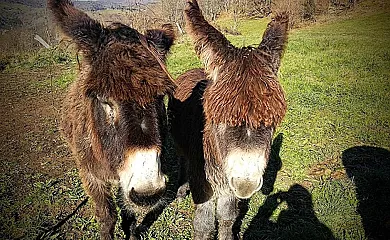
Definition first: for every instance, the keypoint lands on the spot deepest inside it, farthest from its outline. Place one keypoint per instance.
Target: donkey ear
(275, 38)
(162, 38)
(210, 45)
(77, 25)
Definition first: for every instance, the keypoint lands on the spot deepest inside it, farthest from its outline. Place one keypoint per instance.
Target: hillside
(111, 4)
(18, 13)
(30, 3)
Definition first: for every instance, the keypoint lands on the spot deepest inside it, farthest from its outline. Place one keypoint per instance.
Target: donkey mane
(187, 82)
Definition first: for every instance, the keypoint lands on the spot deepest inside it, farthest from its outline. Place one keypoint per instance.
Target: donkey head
(124, 81)
(243, 102)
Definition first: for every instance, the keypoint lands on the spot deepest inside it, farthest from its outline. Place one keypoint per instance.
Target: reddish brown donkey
(113, 116)
(223, 119)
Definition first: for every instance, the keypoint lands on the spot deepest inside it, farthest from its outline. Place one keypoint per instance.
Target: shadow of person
(298, 221)
(269, 178)
(273, 166)
(369, 168)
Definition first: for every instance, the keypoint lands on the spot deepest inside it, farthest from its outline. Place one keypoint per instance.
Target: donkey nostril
(242, 183)
(243, 187)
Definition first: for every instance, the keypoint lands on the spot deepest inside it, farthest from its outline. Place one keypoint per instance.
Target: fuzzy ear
(162, 38)
(275, 38)
(77, 25)
(211, 45)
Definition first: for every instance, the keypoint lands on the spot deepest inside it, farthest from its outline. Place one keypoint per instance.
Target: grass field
(328, 175)
(337, 81)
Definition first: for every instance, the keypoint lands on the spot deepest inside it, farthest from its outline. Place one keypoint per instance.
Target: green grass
(337, 82)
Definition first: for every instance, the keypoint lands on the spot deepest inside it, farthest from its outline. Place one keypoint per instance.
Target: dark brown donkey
(223, 119)
(113, 117)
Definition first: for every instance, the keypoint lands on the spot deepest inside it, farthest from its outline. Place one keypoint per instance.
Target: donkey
(223, 118)
(113, 117)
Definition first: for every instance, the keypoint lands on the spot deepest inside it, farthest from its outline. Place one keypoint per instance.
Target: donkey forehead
(244, 63)
(129, 57)
(128, 73)
(224, 128)
(132, 106)
(125, 50)
(248, 94)
(243, 136)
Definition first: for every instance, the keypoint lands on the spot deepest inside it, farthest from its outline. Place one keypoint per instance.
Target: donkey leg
(105, 211)
(128, 223)
(204, 220)
(184, 186)
(129, 219)
(227, 213)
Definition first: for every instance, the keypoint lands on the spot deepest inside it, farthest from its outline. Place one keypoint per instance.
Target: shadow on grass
(369, 168)
(298, 221)
(273, 166)
(269, 178)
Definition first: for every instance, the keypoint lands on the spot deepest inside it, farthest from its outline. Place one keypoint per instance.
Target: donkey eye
(109, 110)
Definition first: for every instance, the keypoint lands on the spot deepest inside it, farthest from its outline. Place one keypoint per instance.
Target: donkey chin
(245, 170)
(141, 178)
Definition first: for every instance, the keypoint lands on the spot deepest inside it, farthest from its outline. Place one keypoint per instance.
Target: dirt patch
(328, 169)
(30, 116)
(31, 149)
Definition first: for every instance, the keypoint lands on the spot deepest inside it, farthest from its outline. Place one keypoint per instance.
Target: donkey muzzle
(244, 188)
(244, 171)
(141, 176)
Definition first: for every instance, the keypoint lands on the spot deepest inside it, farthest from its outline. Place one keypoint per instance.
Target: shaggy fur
(260, 98)
(230, 108)
(115, 107)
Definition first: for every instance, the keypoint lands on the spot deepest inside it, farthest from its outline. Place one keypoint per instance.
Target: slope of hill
(30, 3)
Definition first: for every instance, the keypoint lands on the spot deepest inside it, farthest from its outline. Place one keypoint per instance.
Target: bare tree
(172, 11)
